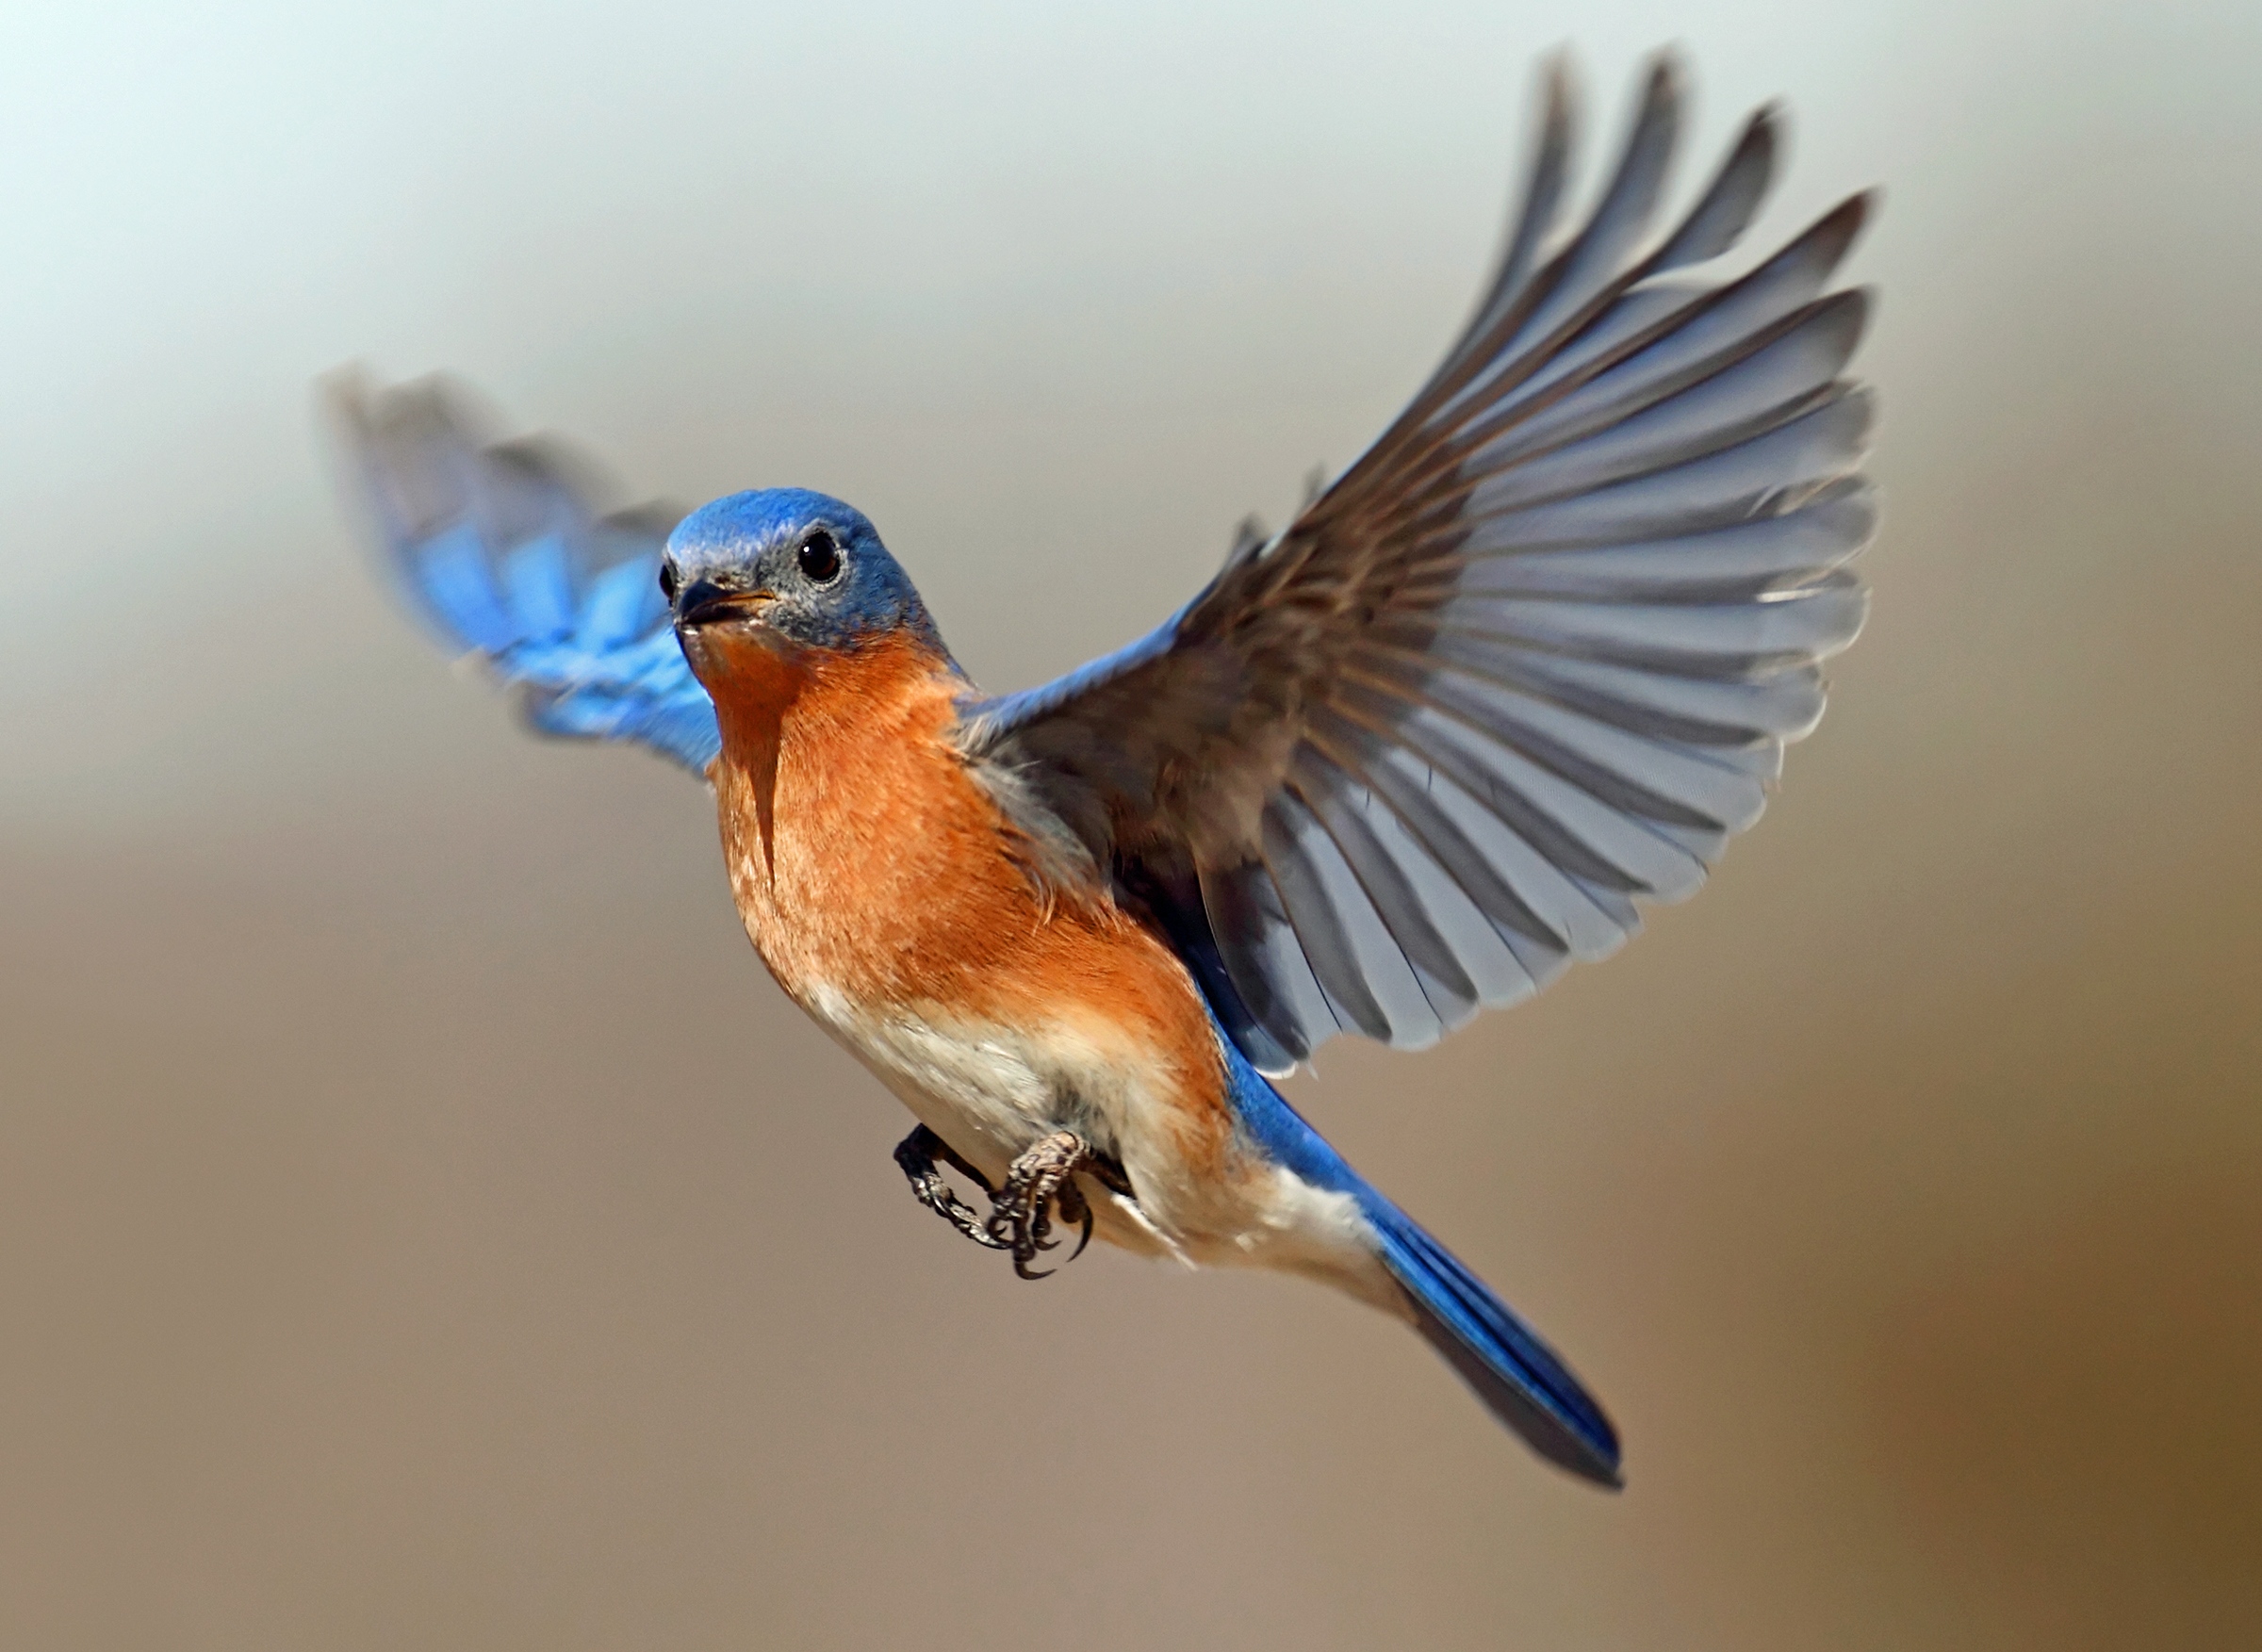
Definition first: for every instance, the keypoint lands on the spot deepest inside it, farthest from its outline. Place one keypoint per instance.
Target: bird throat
(755, 687)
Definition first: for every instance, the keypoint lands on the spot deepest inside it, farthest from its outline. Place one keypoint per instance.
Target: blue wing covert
(504, 550)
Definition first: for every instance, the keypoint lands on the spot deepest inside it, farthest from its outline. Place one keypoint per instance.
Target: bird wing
(504, 550)
(1533, 656)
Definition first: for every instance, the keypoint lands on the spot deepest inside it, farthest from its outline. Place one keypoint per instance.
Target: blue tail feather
(1521, 1381)
(1520, 1378)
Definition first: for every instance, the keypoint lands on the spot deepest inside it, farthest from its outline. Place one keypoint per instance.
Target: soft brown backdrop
(422, 1223)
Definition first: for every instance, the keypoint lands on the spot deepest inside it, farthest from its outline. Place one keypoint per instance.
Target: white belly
(991, 1091)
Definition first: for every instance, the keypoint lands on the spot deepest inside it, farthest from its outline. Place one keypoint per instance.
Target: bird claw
(1041, 1182)
(1021, 1217)
(916, 1155)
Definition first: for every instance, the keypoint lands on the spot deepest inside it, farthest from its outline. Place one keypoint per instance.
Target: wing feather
(1533, 656)
(1387, 884)
(505, 551)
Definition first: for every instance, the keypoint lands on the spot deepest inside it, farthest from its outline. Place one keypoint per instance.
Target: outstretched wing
(1533, 656)
(504, 550)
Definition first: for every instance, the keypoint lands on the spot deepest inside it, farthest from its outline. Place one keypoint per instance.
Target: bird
(1522, 667)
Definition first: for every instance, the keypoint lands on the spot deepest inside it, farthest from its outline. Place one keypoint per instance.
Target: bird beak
(704, 603)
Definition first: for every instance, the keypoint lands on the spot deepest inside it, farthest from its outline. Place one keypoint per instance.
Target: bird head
(789, 570)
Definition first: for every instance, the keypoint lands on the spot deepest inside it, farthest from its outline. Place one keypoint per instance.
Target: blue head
(791, 567)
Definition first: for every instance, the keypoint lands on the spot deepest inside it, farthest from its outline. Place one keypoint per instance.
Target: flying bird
(1530, 661)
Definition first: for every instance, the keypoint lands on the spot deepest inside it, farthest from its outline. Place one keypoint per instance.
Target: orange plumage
(867, 860)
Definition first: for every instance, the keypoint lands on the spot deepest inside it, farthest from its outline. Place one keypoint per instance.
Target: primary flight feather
(1531, 660)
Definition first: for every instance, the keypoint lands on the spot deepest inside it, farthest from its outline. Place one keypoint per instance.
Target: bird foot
(1041, 1181)
(916, 1153)
(1021, 1217)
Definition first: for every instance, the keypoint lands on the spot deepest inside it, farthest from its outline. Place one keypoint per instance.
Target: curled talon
(1021, 1217)
(916, 1155)
(1077, 1208)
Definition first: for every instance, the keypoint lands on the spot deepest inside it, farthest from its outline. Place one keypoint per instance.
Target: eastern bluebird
(1533, 658)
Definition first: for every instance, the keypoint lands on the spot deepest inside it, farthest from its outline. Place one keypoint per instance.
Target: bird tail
(1520, 1378)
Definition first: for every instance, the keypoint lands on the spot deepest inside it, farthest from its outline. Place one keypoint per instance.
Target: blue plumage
(503, 552)
(756, 544)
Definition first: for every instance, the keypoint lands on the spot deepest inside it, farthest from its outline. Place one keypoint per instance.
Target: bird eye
(820, 557)
(667, 579)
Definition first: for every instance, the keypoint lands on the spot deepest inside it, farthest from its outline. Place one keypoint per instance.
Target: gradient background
(422, 1223)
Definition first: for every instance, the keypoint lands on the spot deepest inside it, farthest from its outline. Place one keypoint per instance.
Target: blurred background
(423, 1224)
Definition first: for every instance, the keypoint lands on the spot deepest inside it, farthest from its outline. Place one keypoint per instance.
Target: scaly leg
(1021, 1212)
(916, 1153)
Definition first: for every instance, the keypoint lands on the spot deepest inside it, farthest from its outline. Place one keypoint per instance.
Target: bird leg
(916, 1153)
(1042, 1178)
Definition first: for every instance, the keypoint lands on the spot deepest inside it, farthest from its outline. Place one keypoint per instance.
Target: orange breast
(866, 859)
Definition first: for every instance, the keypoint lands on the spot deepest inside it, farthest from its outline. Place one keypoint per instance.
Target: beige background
(423, 1225)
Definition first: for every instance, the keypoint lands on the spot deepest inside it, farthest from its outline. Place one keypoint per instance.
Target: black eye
(667, 579)
(820, 557)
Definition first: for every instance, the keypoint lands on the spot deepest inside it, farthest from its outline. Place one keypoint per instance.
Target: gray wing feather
(1262, 949)
(1534, 655)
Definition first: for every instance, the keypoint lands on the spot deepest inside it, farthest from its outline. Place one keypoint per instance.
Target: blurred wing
(1533, 656)
(502, 550)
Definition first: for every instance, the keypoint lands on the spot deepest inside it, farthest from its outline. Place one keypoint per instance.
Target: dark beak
(703, 602)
